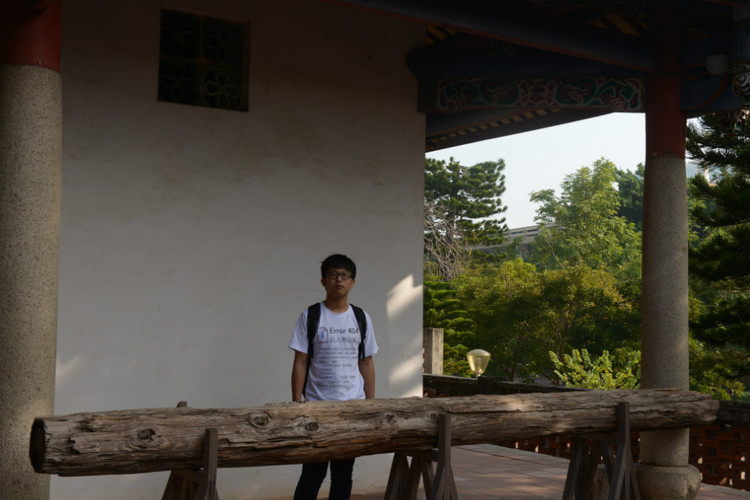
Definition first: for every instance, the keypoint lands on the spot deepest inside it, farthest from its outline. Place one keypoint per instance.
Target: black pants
(314, 474)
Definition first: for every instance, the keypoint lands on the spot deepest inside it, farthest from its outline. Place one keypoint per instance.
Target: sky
(541, 159)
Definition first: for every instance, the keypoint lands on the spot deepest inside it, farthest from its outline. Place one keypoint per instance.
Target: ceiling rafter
(545, 34)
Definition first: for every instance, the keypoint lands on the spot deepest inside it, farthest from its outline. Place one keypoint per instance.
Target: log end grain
(38, 445)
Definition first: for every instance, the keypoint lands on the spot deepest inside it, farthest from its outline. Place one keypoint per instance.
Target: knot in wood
(144, 437)
(312, 426)
(389, 418)
(145, 434)
(260, 419)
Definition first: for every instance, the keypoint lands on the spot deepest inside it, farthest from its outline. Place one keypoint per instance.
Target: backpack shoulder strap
(313, 319)
(362, 322)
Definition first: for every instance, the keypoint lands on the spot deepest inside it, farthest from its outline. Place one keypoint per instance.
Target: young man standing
(339, 367)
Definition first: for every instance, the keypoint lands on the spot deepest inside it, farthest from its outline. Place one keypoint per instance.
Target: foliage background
(566, 310)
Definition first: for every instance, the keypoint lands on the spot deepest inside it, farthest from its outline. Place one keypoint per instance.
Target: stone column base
(658, 482)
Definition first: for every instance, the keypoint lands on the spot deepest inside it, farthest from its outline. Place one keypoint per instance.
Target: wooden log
(135, 441)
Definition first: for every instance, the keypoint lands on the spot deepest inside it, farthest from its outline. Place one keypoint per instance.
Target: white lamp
(478, 360)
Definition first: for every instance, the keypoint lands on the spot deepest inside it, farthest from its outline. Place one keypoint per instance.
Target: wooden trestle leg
(585, 458)
(403, 481)
(190, 484)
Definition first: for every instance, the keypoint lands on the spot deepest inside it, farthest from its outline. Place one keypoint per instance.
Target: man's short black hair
(338, 261)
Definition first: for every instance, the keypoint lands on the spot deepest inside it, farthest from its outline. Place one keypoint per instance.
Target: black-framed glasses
(334, 276)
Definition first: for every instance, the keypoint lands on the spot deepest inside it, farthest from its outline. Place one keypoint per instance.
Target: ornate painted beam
(741, 55)
(456, 94)
(450, 95)
(711, 95)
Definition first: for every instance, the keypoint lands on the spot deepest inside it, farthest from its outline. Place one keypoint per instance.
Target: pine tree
(462, 211)
(471, 194)
(720, 260)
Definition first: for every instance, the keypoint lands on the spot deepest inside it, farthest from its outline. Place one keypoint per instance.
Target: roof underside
(491, 68)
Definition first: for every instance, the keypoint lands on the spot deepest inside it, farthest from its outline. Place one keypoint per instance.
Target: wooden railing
(721, 450)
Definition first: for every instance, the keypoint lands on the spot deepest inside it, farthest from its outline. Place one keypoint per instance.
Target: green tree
(446, 251)
(582, 226)
(580, 307)
(471, 195)
(501, 301)
(719, 263)
(455, 362)
(441, 309)
(713, 370)
(520, 314)
(621, 370)
(630, 189)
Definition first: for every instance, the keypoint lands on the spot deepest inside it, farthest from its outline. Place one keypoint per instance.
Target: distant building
(517, 240)
(520, 239)
(692, 169)
(525, 232)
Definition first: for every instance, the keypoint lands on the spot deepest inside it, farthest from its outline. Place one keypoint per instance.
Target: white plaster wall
(191, 237)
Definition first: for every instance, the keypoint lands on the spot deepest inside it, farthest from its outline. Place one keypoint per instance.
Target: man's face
(337, 282)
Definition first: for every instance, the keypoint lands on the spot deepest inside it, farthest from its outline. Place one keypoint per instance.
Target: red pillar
(30, 33)
(30, 180)
(665, 121)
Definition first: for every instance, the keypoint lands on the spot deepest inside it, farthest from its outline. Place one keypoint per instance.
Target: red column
(30, 32)
(665, 121)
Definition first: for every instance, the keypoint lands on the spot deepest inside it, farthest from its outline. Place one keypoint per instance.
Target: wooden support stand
(191, 484)
(403, 481)
(620, 471)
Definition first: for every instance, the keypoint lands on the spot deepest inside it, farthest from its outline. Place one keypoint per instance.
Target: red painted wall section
(30, 32)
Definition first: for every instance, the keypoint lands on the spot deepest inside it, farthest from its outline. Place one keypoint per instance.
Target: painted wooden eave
(550, 35)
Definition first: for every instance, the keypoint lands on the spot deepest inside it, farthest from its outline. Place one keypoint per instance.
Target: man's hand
(299, 370)
(367, 369)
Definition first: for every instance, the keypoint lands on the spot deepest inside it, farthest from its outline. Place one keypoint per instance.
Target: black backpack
(313, 318)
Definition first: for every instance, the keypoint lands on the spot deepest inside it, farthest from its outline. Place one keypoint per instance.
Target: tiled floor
(484, 472)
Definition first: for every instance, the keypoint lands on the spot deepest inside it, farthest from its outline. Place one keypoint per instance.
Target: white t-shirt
(334, 368)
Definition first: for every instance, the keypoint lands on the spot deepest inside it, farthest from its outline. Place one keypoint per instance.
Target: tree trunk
(134, 441)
